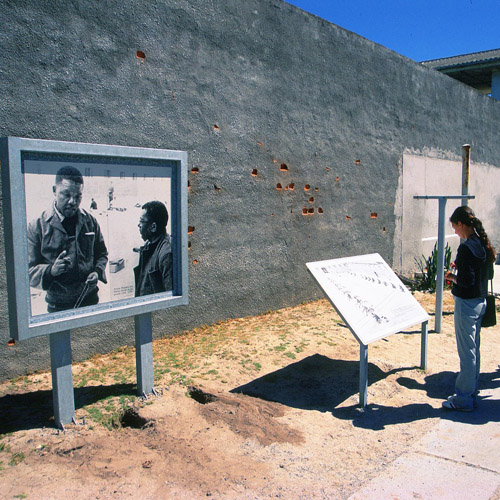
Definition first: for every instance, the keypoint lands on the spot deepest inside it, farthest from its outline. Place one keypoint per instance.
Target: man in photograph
(154, 272)
(66, 250)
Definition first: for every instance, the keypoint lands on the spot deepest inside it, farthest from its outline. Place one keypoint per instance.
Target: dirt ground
(251, 408)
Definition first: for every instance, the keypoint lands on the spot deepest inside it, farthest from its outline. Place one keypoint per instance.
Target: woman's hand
(450, 277)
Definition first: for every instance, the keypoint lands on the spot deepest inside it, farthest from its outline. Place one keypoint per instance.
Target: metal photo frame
(29, 165)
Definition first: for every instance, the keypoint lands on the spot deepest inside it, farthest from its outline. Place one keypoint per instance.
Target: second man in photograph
(154, 272)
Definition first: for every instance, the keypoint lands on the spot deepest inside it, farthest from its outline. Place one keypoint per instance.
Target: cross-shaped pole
(440, 245)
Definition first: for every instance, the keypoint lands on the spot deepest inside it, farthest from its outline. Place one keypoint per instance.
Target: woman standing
(474, 266)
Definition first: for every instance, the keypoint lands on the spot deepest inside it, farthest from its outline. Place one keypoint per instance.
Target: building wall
(418, 219)
(261, 95)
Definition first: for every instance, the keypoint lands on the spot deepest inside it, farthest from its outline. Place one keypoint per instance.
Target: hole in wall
(216, 127)
(195, 262)
(279, 187)
(316, 190)
(320, 210)
(357, 162)
(311, 210)
(189, 186)
(337, 178)
(141, 55)
(189, 245)
(311, 199)
(195, 170)
(291, 186)
(11, 343)
(190, 229)
(260, 144)
(328, 169)
(284, 167)
(254, 172)
(374, 215)
(304, 211)
(217, 188)
(383, 229)
(347, 217)
(307, 187)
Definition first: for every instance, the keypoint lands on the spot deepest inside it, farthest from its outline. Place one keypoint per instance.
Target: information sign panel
(93, 232)
(368, 296)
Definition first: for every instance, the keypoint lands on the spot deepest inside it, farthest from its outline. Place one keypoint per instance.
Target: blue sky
(418, 29)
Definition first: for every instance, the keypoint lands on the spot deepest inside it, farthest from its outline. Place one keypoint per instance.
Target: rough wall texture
(280, 112)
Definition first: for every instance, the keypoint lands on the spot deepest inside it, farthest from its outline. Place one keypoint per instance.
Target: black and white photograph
(96, 233)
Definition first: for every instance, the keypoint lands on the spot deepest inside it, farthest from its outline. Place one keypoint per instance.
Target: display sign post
(144, 353)
(62, 378)
(372, 301)
(363, 375)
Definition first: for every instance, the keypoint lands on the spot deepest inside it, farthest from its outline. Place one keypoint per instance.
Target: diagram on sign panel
(367, 294)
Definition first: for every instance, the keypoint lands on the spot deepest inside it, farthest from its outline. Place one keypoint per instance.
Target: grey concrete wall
(245, 86)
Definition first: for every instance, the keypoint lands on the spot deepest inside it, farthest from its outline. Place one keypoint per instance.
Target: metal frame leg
(62, 378)
(423, 347)
(363, 374)
(144, 353)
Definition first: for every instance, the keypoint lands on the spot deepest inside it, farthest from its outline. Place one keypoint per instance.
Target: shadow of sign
(31, 410)
(314, 383)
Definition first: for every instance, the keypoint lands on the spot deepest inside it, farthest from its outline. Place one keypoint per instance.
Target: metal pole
(423, 346)
(440, 265)
(363, 374)
(144, 353)
(465, 173)
(62, 378)
(440, 243)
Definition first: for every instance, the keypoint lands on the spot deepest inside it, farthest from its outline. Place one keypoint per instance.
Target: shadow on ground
(31, 410)
(436, 386)
(314, 383)
(320, 383)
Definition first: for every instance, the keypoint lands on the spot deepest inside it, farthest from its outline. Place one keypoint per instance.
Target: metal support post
(440, 265)
(465, 172)
(423, 345)
(62, 378)
(144, 353)
(440, 245)
(363, 374)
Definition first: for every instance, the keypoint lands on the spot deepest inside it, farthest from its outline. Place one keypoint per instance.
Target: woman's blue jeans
(468, 316)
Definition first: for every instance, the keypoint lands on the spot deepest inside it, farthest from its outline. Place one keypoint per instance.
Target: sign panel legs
(363, 374)
(62, 378)
(62, 375)
(363, 364)
(144, 353)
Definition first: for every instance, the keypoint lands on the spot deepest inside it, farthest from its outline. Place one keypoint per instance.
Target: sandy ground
(252, 408)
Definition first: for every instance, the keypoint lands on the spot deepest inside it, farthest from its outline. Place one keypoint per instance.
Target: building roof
(472, 69)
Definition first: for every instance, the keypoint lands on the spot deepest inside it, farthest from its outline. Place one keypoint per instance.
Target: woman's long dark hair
(466, 216)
